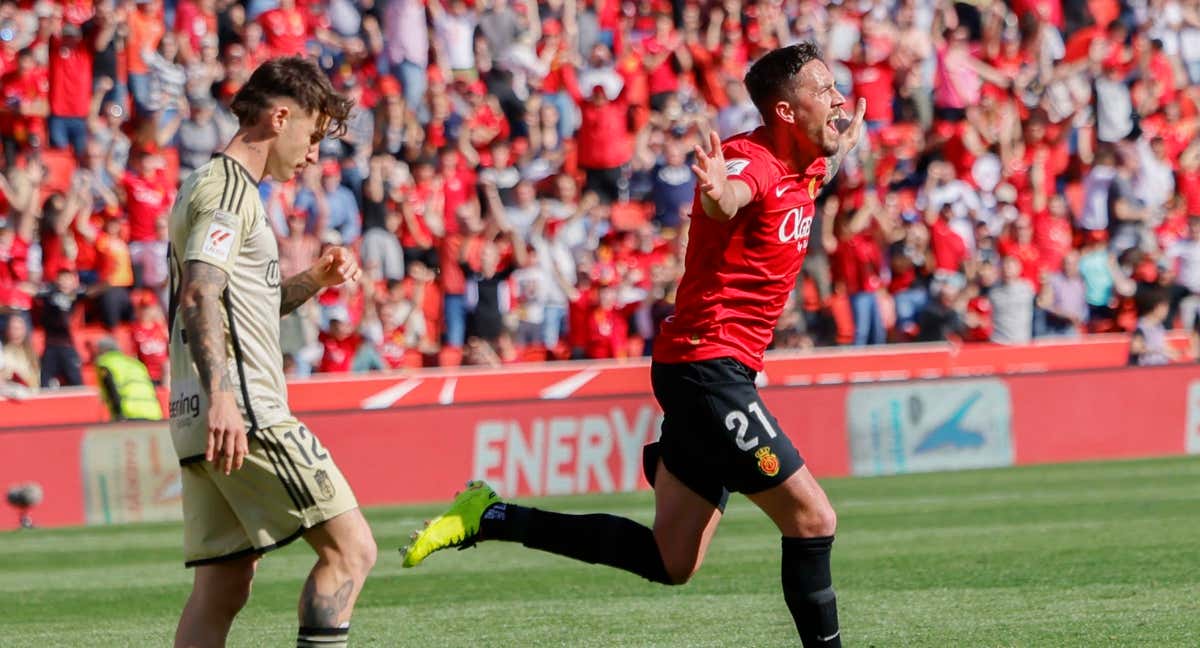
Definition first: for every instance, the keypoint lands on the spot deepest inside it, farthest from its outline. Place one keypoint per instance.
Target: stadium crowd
(516, 181)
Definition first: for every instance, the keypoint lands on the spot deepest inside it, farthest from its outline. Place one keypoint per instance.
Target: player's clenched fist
(337, 266)
(227, 445)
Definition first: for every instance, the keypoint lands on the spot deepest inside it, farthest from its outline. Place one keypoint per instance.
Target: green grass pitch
(1103, 554)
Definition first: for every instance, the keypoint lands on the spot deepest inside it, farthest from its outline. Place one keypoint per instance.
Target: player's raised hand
(227, 445)
(853, 132)
(710, 169)
(337, 266)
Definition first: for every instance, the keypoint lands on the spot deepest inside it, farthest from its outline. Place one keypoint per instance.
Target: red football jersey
(738, 274)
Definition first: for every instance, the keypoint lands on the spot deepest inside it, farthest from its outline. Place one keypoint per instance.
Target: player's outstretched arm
(200, 307)
(335, 267)
(720, 197)
(846, 141)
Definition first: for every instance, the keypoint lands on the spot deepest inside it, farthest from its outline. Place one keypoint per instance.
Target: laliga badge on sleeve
(218, 243)
(736, 166)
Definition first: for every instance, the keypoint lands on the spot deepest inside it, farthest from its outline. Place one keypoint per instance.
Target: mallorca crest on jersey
(768, 463)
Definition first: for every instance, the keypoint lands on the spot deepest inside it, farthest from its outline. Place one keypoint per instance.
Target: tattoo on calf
(323, 610)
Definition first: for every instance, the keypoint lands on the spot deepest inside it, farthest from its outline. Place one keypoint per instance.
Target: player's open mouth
(831, 125)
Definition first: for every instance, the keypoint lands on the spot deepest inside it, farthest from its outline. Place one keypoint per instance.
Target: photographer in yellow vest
(125, 385)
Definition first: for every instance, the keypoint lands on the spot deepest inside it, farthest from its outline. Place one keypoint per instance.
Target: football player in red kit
(751, 224)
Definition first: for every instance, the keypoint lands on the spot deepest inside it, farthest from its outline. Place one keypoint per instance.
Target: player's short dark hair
(767, 79)
(298, 79)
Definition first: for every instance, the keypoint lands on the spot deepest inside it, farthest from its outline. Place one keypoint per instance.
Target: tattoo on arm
(834, 162)
(201, 312)
(323, 610)
(295, 291)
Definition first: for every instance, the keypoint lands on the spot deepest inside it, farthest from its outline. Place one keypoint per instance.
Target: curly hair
(298, 79)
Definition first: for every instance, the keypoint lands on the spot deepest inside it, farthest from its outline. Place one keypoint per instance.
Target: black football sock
(597, 538)
(808, 590)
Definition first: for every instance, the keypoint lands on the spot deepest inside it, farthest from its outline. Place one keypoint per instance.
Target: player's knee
(239, 595)
(819, 522)
(680, 568)
(352, 551)
(362, 554)
(681, 575)
(812, 522)
(227, 595)
(368, 554)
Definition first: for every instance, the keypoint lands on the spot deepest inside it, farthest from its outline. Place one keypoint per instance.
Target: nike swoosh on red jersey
(779, 191)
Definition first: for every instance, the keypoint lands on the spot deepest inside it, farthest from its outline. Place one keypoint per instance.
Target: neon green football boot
(457, 527)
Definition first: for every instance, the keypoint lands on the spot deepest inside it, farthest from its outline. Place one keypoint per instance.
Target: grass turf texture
(1075, 555)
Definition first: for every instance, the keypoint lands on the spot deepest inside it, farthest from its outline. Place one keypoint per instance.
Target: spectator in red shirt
(195, 20)
(1053, 235)
(415, 304)
(1020, 244)
(604, 140)
(115, 274)
(874, 79)
(55, 233)
(26, 93)
(949, 250)
(1187, 178)
(15, 293)
(422, 209)
(341, 343)
(149, 334)
(559, 75)
(71, 57)
(484, 119)
(400, 324)
(607, 326)
(285, 28)
(468, 226)
(581, 300)
(458, 187)
(146, 29)
(856, 261)
(661, 53)
(147, 196)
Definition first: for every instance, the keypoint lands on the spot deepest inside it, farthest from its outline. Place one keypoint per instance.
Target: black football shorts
(717, 435)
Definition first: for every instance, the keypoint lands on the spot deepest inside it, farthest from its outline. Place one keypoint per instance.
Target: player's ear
(783, 110)
(279, 117)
